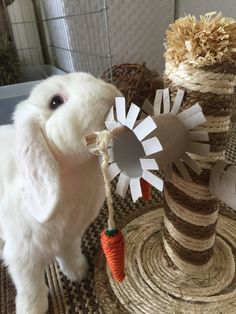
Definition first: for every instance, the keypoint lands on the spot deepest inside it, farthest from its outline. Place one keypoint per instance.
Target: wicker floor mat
(68, 297)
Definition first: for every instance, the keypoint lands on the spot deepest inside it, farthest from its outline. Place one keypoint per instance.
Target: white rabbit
(51, 188)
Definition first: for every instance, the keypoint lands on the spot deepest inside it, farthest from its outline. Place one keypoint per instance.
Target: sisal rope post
(112, 240)
(208, 76)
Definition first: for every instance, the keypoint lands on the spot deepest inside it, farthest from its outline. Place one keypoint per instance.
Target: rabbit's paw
(26, 304)
(77, 270)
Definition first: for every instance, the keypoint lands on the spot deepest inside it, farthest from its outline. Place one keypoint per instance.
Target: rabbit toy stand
(184, 253)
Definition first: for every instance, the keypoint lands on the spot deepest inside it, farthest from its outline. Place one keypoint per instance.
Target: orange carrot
(146, 189)
(113, 247)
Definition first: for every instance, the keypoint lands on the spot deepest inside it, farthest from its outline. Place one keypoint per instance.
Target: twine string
(102, 142)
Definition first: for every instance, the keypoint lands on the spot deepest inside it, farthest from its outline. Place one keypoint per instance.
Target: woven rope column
(206, 70)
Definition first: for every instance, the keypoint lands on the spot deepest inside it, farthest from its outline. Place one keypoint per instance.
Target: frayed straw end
(201, 42)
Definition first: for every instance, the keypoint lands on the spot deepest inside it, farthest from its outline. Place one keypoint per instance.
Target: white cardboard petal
(144, 128)
(122, 185)
(147, 107)
(229, 179)
(149, 164)
(153, 180)
(152, 146)
(222, 183)
(178, 101)
(111, 125)
(216, 175)
(191, 163)
(187, 113)
(201, 136)
(110, 115)
(135, 189)
(194, 121)
(198, 148)
(157, 102)
(166, 100)
(183, 171)
(120, 110)
(222, 179)
(113, 170)
(132, 116)
(111, 155)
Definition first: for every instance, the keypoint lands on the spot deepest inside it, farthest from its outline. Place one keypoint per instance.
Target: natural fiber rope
(190, 216)
(191, 187)
(216, 124)
(192, 78)
(211, 158)
(179, 231)
(102, 143)
(152, 287)
(188, 242)
(212, 104)
(189, 229)
(201, 206)
(182, 264)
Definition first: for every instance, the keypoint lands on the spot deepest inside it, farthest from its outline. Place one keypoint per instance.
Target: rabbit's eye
(56, 102)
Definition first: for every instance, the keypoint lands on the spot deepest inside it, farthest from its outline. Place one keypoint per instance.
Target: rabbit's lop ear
(38, 166)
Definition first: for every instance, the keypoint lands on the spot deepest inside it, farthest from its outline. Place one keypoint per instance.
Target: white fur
(51, 187)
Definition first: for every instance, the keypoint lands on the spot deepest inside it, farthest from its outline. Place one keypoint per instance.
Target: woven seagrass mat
(68, 297)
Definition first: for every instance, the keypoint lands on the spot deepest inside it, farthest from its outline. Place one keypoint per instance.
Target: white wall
(137, 30)
(197, 7)
(137, 27)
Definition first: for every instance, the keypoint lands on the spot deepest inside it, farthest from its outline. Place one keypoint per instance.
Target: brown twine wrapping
(190, 256)
(202, 179)
(201, 206)
(218, 141)
(213, 105)
(190, 230)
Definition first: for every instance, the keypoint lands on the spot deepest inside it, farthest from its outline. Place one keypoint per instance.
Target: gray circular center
(127, 150)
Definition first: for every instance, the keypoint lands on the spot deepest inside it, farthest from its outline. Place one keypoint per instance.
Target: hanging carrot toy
(112, 240)
(126, 133)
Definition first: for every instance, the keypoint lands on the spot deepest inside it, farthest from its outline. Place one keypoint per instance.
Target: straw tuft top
(206, 41)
